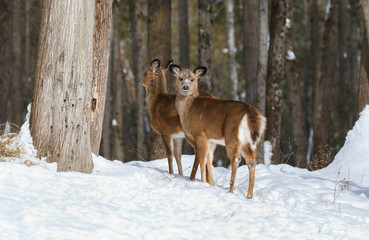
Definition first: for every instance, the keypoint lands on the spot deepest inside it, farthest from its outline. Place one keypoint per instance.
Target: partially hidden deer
(163, 114)
(236, 125)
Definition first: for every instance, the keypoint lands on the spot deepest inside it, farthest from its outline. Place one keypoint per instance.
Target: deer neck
(155, 89)
(184, 103)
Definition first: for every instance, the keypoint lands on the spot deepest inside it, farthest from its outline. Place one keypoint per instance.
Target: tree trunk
(363, 98)
(204, 43)
(276, 69)
(159, 38)
(232, 64)
(102, 35)
(344, 98)
(7, 56)
(323, 87)
(137, 66)
(15, 98)
(61, 106)
(117, 91)
(184, 39)
(262, 55)
(314, 68)
(353, 57)
(251, 48)
(295, 93)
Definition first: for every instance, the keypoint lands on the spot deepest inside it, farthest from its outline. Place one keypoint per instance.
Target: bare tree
(117, 91)
(159, 39)
(184, 39)
(251, 48)
(323, 87)
(295, 92)
(137, 66)
(232, 64)
(262, 55)
(61, 106)
(7, 55)
(102, 35)
(205, 40)
(276, 70)
(363, 98)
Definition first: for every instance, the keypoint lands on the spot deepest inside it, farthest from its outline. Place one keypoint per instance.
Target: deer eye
(191, 80)
(181, 79)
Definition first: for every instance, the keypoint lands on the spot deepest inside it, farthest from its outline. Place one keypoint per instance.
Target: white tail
(237, 125)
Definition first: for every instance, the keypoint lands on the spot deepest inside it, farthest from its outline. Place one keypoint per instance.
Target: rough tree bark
(184, 39)
(295, 93)
(353, 56)
(117, 91)
(102, 36)
(204, 42)
(159, 39)
(61, 106)
(323, 87)
(232, 64)
(276, 70)
(262, 67)
(7, 56)
(363, 98)
(137, 66)
(250, 27)
(15, 105)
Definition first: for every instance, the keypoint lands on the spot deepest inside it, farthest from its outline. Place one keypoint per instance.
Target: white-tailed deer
(205, 121)
(163, 113)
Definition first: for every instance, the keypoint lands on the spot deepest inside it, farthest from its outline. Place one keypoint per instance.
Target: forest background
(297, 61)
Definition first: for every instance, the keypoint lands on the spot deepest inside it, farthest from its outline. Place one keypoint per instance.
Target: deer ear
(200, 71)
(174, 69)
(155, 64)
(168, 64)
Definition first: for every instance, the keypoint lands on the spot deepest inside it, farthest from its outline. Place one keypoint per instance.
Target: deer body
(163, 114)
(205, 121)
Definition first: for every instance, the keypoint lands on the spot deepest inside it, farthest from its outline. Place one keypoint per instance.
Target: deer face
(187, 80)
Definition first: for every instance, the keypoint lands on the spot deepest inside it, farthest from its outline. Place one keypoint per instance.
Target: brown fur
(163, 114)
(205, 120)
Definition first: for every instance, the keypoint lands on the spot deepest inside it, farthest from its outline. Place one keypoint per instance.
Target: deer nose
(185, 87)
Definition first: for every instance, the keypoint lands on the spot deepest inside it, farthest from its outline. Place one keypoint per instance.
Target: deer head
(154, 77)
(187, 80)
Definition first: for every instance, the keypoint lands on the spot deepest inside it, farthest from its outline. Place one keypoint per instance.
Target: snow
(141, 200)
(290, 55)
(267, 152)
(114, 123)
(327, 10)
(352, 161)
(288, 23)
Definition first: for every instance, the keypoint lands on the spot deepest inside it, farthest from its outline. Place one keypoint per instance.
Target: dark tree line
(309, 77)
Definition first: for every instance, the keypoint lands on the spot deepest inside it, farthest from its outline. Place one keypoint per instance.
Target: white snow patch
(290, 55)
(288, 23)
(352, 161)
(268, 153)
(225, 50)
(327, 10)
(114, 123)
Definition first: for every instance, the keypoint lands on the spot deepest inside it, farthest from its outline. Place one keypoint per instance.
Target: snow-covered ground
(141, 200)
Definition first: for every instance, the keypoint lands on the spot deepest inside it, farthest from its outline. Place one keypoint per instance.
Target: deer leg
(201, 153)
(209, 165)
(168, 149)
(235, 158)
(177, 149)
(250, 158)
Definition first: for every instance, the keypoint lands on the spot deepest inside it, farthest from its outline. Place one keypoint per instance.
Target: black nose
(185, 87)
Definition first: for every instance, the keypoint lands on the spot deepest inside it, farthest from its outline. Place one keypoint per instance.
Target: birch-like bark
(61, 106)
(232, 64)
